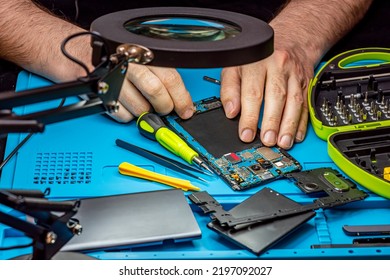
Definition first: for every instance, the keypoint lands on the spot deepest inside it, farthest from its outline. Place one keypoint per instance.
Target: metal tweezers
(160, 159)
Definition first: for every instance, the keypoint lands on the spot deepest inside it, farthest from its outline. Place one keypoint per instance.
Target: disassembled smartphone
(215, 137)
(267, 216)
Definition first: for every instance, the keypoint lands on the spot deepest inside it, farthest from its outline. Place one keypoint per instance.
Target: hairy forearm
(313, 26)
(31, 38)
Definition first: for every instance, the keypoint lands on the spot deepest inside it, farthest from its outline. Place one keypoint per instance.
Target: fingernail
(286, 141)
(269, 137)
(188, 114)
(299, 137)
(229, 109)
(247, 135)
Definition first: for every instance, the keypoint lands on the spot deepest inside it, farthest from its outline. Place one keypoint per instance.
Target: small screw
(112, 107)
(103, 87)
(51, 238)
(77, 229)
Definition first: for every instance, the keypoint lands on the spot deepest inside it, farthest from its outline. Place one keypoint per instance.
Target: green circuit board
(215, 137)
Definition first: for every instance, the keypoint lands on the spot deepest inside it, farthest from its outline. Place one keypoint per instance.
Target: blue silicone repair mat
(79, 158)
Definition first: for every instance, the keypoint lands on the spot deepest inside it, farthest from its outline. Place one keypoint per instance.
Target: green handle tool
(151, 126)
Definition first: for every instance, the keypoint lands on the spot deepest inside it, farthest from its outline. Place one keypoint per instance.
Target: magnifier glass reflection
(185, 29)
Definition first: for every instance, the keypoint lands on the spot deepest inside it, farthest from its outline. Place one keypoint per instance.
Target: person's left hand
(280, 80)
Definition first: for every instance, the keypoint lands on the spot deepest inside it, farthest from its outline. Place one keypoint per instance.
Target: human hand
(148, 88)
(281, 80)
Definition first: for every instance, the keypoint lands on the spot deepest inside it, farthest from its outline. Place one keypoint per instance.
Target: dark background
(372, 31)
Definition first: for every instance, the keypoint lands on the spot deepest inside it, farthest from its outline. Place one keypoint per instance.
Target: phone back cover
(128, 220)
(257, 238)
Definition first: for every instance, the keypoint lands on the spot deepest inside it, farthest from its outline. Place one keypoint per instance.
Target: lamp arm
(101, 88)
(53, 226)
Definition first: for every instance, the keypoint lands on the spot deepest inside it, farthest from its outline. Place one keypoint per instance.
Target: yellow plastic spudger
(126, 168)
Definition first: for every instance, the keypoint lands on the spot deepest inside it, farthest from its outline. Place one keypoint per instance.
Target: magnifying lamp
(166, 37)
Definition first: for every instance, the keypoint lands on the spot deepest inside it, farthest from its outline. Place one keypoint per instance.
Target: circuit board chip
(279, 164)
(247, 155)
(268, 153)
(267, 175)
(232, 158)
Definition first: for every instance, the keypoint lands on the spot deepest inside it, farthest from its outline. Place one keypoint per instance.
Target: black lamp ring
(253, 41)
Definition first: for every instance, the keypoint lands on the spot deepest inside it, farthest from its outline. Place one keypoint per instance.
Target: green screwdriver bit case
(349, 107)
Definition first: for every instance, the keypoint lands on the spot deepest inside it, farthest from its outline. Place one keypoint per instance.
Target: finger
(252, 92)
(122, 114)
(274, 102)
(174, 84)
(231, 91)
(302, 127)
(132, 100)
(151, 87)
(291, 114)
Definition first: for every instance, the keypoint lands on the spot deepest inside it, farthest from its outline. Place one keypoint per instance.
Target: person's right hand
(149, 88)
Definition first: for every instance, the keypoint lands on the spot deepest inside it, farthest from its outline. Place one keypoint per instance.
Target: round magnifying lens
(184, 29)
